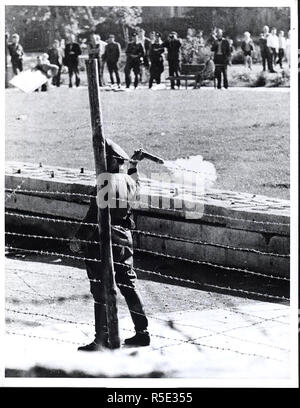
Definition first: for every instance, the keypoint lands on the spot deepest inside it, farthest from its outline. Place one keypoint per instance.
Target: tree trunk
(125, 34)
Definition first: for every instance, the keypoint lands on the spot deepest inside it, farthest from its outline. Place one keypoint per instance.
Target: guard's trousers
(125, 277)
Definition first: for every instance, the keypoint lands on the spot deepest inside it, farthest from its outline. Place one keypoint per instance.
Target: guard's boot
(101, 332)
(140, 339)
(90, 347)
(77, 81)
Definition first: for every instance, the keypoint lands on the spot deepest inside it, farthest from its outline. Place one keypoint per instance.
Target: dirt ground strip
(195, 334)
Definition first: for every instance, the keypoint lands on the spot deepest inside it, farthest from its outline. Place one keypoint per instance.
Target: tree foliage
(68, 19)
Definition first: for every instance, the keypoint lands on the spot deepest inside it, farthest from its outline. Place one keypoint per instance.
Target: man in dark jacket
(111, 57)
(122, 188)
(156, 60)
(222, 53)
(134, 54)
(16, 52)
(72, 51)
(173, 46)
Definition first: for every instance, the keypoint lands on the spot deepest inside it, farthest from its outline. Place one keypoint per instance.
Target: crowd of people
(145, 56)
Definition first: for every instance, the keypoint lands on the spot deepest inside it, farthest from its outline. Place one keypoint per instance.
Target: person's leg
(116, 71)
(70, 72)
(177, 73)
(225, 79)
(100, 315)
(218, 76)
(171, 74)
(136, 71)
(110, 71)
(20, 65)
(125, 279)
(274, 56)
(58, 76)
(158, 80)
(263, 60)
(150, 81)
(270, 61)
(127, 74)
(250, 62)
(14, 67)
(76, 71)
(280, 57)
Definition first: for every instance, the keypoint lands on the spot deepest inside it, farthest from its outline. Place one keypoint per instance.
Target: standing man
(221, 49)
(146, 43)
(282, 47)
(122, 187)
(156, 60)
(264, 49)
(96, 49)
(111, 56)
(173, 46)
(134, 54)
(273, 45)
(56, 56)
(16, 52)
(72, 52)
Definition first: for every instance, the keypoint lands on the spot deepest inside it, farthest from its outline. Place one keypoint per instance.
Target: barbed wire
(147, 205)
(213, 244)
(189, 341)
(186, 240)
(33, 336)
(198, 303)
(55, 220)
(228, 268)
(154, 253)
(228, 288)
(49, 253)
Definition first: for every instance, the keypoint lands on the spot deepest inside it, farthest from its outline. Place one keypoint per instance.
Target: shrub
(237, 57)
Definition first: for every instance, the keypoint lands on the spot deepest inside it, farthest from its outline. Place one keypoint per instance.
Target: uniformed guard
(123, 186)
(173, 46)
(134, 54)
(156, 60)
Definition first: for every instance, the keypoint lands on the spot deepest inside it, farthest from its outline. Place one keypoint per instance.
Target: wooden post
(107, 267)
(6, 52)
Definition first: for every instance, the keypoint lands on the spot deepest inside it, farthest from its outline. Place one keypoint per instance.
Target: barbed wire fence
(18, 242)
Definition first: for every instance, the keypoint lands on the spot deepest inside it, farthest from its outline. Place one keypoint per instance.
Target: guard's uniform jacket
(173, 47)
(71, 61)
(111, 57)
(133, 63)
(157, 63)
(125, 187)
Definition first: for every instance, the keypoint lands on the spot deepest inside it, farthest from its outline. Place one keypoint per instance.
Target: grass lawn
(243, 132)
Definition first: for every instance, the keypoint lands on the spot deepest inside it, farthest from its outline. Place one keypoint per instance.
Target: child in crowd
(16, 52)
(248, 48)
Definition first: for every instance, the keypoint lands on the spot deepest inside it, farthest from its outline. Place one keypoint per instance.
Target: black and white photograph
(150, 180)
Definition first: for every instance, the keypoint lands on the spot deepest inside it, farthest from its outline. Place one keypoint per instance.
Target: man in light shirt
(282, 47)
(273, 44)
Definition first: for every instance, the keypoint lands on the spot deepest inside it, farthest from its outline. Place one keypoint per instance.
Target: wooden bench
(189, 72)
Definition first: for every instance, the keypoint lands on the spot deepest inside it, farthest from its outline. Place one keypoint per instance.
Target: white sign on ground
(28, 81)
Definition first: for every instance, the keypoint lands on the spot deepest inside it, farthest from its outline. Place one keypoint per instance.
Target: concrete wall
(254, 227)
